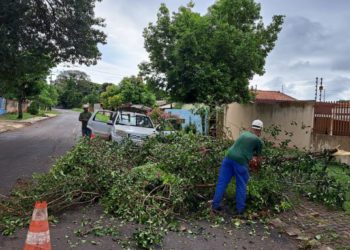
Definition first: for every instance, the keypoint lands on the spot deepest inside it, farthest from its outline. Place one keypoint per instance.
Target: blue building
(2, 105)
(190, 117)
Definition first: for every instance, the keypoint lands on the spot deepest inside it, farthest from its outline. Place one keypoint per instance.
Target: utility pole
(321, 89)
(316, 89)
(324, 94)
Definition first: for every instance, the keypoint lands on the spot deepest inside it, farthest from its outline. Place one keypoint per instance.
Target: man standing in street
(84, 118)
(236, 164)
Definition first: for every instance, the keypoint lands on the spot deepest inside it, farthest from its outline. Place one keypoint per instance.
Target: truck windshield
(134, 120)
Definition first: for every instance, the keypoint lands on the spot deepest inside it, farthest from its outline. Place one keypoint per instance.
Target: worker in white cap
(236, 164)
(84, 118)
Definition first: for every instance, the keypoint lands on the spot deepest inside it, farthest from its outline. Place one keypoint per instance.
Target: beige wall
(294, 117)
(12, 106)
(321, 142)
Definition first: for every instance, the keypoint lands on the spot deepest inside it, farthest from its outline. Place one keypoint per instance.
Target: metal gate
(332, 118)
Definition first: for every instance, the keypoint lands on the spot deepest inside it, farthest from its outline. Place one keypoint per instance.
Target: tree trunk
(203, 120)
(20, 111)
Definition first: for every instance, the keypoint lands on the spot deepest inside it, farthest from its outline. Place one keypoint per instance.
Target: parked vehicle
(120, 125)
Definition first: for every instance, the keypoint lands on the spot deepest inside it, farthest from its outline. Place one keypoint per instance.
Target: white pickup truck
(119, 125)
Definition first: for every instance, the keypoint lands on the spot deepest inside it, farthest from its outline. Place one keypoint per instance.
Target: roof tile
(267, 95)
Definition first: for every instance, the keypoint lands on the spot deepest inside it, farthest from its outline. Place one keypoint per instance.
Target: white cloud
(315, 41)
(125, 22)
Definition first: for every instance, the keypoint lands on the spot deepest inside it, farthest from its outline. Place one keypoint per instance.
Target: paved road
(34, 148)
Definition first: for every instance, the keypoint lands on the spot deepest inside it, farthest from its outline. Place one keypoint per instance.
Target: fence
(332, 118)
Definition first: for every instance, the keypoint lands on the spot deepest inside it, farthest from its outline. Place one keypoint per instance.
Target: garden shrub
(34, 108)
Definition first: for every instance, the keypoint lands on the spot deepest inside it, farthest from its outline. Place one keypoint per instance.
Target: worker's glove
(255, 164)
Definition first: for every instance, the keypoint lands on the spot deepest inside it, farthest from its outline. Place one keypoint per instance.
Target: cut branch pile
(163, 179)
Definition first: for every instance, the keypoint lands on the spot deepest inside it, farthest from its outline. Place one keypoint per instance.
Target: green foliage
(204, 112)
(208, 58)
(166, 121)
(75, 88)
(149, 237)
(167, 176)
(191, 128)
(48, 97)
(9, 224)
(33, 109)
(14, 116)
(68, 33)
(316, 176)
(28, 78)
(130, 90)
(102, 117)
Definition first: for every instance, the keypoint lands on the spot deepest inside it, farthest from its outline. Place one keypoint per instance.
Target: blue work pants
(230, 168)
(86, 132)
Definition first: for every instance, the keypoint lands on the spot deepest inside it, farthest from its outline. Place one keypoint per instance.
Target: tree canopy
(43, 33)
(130, 90)
(67, 31)
(48, 97)
(28, 79)
(208, 58)
(75, 88)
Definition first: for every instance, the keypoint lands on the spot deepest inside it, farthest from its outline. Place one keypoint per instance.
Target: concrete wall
(12, 106)
(97, 106)
(292, 117)
(320, 142)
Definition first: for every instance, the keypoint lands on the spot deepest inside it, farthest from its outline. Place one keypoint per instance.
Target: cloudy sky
(315, 41)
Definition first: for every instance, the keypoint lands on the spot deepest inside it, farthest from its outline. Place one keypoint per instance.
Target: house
(11, 106)
(188, 115)
(268, 96)
(2, 105)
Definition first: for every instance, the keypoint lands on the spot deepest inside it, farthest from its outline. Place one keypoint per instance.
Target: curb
(26, 123)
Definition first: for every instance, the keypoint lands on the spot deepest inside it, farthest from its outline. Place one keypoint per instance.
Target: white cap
(86, 106)
(257, 124)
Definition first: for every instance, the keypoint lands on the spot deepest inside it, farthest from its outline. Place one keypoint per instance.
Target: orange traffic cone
(92, 136)
(38, 237)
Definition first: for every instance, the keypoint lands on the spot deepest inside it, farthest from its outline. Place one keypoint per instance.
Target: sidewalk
(10, 125)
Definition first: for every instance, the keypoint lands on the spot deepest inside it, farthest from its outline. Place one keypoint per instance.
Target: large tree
(28, 79)
(48, 97)
(75, 88)
(54, 30)
(130, 90)
(208, 58)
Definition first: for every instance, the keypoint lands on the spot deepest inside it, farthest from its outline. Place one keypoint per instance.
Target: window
(103, 116)
(135, 120)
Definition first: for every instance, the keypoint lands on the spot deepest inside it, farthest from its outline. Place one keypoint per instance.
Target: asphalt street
(35, 148)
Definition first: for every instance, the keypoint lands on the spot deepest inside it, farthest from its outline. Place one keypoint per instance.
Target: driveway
(34, 148)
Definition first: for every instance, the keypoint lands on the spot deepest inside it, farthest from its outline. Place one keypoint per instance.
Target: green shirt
(247, 145)
(84, 118)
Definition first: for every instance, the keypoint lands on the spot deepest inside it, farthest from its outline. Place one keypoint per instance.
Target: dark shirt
(84, 118)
